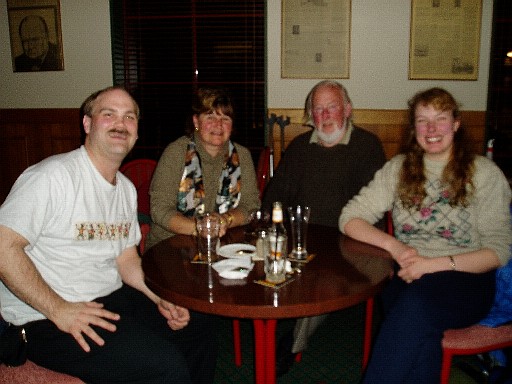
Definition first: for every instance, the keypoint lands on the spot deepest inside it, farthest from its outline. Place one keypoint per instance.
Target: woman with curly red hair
(451, 222)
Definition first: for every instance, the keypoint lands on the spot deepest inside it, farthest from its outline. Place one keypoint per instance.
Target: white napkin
(237, 268)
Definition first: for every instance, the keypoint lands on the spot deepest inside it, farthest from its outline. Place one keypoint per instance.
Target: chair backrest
(389, 223)
(144, 230)
(140, 172)
(263, 172)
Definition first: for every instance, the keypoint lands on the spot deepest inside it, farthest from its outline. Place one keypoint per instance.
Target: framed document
(315, 39)
(445, 39)
(36, 37)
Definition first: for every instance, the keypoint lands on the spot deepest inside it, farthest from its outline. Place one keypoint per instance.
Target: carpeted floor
(334, 354)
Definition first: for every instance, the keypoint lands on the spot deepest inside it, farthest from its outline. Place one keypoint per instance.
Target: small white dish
(236, 250)
(234, 268)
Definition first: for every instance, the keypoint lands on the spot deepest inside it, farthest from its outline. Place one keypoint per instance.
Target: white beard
(333, 137)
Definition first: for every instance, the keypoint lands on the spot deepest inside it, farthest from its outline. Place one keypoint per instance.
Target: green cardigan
(167, 177)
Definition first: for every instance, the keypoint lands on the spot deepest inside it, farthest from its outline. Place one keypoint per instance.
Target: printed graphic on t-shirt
(102, 231)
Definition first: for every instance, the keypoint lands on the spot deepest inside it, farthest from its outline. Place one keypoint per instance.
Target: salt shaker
(260, 244)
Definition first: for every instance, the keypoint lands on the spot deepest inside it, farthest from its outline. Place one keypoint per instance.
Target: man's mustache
(119, 131)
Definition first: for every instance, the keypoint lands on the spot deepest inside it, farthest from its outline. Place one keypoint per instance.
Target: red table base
(265, 351)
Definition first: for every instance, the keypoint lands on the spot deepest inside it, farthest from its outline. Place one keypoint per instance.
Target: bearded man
(322, 169)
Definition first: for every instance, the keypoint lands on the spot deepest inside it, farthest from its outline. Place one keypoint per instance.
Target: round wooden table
(343, 273)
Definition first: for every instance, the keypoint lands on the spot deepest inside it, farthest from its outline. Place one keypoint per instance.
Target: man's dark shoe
(284, 354)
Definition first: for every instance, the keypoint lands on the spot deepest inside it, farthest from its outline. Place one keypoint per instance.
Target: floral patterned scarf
(191, 193)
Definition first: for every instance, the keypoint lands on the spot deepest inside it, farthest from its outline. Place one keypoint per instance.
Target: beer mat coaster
(302, 261)
(196, 260)
(265, 283)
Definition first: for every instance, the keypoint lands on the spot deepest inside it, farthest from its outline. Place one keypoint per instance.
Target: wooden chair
(471, 341)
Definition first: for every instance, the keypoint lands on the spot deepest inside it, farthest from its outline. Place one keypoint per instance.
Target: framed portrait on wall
(35, 34)
(315, 39)
(445, 39)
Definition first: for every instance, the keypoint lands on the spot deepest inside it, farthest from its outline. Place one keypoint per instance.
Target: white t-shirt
(77, 224)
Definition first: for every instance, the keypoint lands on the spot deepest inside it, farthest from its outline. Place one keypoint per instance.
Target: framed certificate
(315, 39)
(445, 39)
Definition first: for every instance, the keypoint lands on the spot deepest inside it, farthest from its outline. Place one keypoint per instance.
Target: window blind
(162, 51)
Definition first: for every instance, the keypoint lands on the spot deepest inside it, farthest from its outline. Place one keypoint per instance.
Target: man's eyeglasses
(331, 108)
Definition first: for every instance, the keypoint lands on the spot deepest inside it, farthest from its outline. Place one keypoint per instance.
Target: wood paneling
(388, 125)
(27, 136)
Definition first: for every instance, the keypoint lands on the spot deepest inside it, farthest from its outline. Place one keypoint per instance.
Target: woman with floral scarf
(203, 171)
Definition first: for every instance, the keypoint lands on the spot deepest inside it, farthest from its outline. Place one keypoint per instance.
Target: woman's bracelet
(452, 263)
(229, 219)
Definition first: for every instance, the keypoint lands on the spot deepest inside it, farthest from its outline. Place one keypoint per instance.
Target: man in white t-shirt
(70, 272)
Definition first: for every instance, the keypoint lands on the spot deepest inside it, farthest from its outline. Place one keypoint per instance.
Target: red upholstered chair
(140, 172)
(30, 373)
(263, 172)
(144, 230)
(480, 338)
(471, 341)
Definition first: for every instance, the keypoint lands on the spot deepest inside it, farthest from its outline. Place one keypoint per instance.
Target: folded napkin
(237, 268)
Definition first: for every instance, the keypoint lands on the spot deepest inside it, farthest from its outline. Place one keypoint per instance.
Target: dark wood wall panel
(27, 136)
(388, 125)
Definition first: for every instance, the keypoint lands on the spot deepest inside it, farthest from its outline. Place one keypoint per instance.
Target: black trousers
(142, 350)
